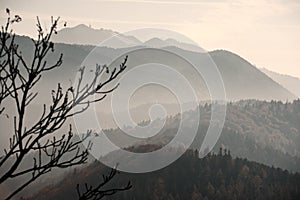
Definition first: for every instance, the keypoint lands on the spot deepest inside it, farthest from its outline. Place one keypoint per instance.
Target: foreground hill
(289, 82)
(213, 177)
(264, 132)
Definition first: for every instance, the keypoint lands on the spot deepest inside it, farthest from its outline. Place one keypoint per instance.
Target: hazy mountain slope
(248, 81)
(244, 81)
(265, 132)
(241, 79)
(84, 35)
(289, 82)
(214, 177)
(160, 43)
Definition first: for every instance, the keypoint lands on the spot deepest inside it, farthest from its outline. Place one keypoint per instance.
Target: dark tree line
(218, 176)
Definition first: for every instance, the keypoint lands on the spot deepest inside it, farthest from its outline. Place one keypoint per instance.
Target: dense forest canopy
(217, 176)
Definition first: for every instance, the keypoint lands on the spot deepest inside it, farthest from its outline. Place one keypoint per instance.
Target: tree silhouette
(18, 78)
(96, 192)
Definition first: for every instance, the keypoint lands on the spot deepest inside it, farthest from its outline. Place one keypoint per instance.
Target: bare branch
(97, 192)
(17, 78)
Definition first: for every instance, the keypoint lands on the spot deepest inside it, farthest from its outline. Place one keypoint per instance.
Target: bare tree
(6, 50)
(96, 192)
(18, 78)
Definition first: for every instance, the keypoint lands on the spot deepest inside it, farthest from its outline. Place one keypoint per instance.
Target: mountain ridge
(85, 35)
(242, 80)
(289, 82)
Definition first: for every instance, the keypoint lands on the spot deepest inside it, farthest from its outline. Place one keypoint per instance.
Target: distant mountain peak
(86, 35)
(169, 42)
(87, 28)
(83, 34)
(81, 26)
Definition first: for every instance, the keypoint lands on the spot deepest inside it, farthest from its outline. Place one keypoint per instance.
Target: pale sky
(265, 32)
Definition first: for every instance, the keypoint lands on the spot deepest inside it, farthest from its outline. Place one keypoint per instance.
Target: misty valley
(89, 113)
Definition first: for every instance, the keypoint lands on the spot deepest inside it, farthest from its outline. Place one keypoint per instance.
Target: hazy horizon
(263, 32)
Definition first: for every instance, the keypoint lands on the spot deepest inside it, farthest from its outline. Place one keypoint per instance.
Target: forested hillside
(217, 176)
(265, 132)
